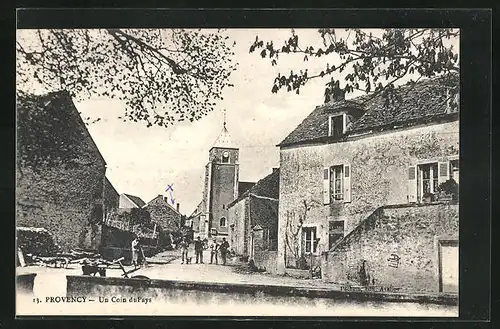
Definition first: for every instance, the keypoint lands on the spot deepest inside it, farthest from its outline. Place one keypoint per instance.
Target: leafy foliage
(137, 216)
(449, 187)
(162, 76)
(375, 63)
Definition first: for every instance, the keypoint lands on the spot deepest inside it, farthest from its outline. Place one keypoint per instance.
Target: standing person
(184, 245)
(214, 249)
(223, 250)
(198, 249)
(135, 251)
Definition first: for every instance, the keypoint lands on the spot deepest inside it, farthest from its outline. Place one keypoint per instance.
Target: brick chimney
(177, 206)
(334, 93)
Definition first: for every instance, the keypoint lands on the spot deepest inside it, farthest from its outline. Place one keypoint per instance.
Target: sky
(144, 161)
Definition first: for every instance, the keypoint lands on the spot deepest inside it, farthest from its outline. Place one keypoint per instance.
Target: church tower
(221, 184)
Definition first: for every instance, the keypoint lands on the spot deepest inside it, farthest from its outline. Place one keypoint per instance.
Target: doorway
(448, 266)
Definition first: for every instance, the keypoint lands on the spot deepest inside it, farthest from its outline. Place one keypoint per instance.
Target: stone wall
(379, 175)
(237, 219)
(399, 245)
(111, 196)
(222, 193)
(64, 197)
(262, 258)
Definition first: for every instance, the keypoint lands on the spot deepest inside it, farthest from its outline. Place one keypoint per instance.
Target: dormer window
(336, 125)
(225, 157)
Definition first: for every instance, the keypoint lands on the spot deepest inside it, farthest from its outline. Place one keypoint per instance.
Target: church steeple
(224, 140)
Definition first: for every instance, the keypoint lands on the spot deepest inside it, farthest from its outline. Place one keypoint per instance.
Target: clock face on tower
(225, 157)
(225, 154)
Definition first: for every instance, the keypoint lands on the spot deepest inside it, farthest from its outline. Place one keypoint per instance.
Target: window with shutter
(326, 185)
(412, 184)
(444, 171)
(337, 183)
(347, 183)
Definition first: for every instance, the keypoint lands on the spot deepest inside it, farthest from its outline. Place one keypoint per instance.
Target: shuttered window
(412, 184)
(337, 184)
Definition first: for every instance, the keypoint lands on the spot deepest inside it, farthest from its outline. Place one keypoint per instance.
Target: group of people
(215, 249)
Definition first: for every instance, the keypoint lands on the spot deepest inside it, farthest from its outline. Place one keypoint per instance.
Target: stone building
(256, 210)
(349, 158)
(221, 187)
(164, 214)
(60, 173)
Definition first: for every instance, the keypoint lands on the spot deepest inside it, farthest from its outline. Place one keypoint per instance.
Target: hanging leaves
(162, 76)
(376, 63)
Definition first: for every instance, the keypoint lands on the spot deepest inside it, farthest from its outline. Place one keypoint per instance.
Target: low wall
(25, 282)
(396, 247)
(266, 260)
(180, 290)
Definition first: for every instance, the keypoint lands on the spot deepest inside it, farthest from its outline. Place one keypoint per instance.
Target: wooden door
(448, 266)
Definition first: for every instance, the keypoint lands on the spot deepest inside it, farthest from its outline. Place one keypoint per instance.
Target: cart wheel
(140, 277)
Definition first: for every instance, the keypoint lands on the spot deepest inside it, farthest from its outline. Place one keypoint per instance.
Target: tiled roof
(244, 186)
(224, 139)
(266, 187)
(135, 199)
(426, 100)
(160, 199)
(264, 212)
(63, 112)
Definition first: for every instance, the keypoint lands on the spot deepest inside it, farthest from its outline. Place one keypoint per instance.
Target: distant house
(253, 221)
(128, 201)
(355, 177)
(60, 171)
(162, 213)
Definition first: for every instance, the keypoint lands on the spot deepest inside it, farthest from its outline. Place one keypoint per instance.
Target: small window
(336, 126)
(225, 157)
(310, 241)
(335, 232)
(222, 222)
(337, 183)
(428, 178)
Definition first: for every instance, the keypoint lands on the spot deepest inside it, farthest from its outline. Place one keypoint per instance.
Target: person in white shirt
(135, 251)
(214, 250)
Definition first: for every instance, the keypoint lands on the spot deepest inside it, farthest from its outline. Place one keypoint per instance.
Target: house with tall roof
(255, 213)
(362, 190)
(221, 187)
(60, 173)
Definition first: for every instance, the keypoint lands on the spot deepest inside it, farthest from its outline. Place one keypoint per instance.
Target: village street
(168, 266)
(51, 282)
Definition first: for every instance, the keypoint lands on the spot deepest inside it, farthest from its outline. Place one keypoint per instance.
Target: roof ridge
(251, 189)
(419, 100)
